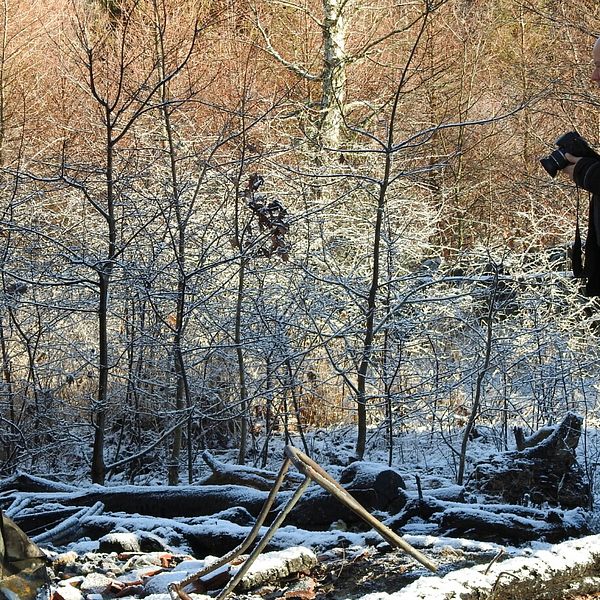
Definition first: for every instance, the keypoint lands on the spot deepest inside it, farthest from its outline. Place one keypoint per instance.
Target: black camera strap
(576, 254)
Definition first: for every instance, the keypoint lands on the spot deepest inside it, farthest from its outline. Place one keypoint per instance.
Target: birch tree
(373, 27)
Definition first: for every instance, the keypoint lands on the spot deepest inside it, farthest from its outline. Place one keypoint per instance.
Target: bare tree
(122, 97)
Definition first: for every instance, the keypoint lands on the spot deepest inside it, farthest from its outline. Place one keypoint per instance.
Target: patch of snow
(271, 561)
(84, 546)
(462, 583)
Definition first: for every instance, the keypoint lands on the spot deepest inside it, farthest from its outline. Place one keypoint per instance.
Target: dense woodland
(224, 221)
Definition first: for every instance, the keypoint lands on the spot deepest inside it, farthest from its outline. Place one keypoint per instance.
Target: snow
(438, 544)
(540, 559)
(462, 583)
(159, 583)
(270, 561)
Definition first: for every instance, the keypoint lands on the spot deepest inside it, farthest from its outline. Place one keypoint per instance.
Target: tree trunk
(334, 73)
(99, 414)
(241, 365)
(479, 383)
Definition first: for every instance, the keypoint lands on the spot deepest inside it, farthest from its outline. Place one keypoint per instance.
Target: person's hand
(573, 160)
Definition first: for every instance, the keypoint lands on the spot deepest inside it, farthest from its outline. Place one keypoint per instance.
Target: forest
(224, 223)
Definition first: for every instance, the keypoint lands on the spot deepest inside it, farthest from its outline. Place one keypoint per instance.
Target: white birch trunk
(334, 73)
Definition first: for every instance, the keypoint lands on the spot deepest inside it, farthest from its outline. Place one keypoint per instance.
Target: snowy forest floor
(352, 562)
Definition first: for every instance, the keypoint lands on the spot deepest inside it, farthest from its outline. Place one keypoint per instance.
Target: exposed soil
(383, 569)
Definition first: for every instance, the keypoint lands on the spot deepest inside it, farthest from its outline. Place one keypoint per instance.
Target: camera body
(572, 143)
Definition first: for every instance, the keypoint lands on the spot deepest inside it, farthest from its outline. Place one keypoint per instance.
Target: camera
(572, 143)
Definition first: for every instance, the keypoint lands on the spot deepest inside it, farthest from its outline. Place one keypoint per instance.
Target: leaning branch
(293, 67)
(124, 461)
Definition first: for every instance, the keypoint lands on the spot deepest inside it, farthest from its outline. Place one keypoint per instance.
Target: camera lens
(555, 162)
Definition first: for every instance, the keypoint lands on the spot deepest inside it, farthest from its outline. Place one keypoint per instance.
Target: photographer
(585, 172)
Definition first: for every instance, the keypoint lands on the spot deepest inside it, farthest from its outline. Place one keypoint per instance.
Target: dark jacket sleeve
(587, 174)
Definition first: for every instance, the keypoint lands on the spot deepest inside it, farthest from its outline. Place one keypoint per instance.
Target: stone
(119, 542)
(273, 566)
(303, 589)
(150, 542)
(67, 592)
(95, 583)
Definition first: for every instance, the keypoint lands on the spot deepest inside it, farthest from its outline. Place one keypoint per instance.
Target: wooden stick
(311, 469)
(176, 589)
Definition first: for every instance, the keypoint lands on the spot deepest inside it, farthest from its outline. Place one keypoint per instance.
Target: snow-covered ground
(418, 454)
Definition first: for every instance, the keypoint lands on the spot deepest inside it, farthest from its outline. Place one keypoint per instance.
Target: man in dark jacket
(585, 172)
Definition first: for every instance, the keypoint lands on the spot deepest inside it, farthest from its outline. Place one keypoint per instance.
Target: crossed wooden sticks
(312, 472)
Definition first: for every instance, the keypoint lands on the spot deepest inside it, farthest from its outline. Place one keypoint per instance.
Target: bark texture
(545, 470)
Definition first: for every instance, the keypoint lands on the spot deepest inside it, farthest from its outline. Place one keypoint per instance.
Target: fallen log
(386, 484)
(38, 520)
(38, 513)
(159, 501)
(560, 571)
(24, 482)
(501, 523)
(70, 528)
(503, 526)
(261, 479)
(215, 535)
(375, 486)
(184, 501)
(545, 469)
(202, 536)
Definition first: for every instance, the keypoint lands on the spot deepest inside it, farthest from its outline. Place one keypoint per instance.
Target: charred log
(544, 470)
(375, 486)
(501, 523)
(261, 479)
(185, 501)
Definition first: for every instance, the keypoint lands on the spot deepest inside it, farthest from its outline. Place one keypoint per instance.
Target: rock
(304, 589)
(96, 583)
(119, 542)
(274, 566)
(160, 582)
(150, 542)
(168, 597)
(133, 591)
(144, 562)
(67, 592)
(64, 560)
(23, 570)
